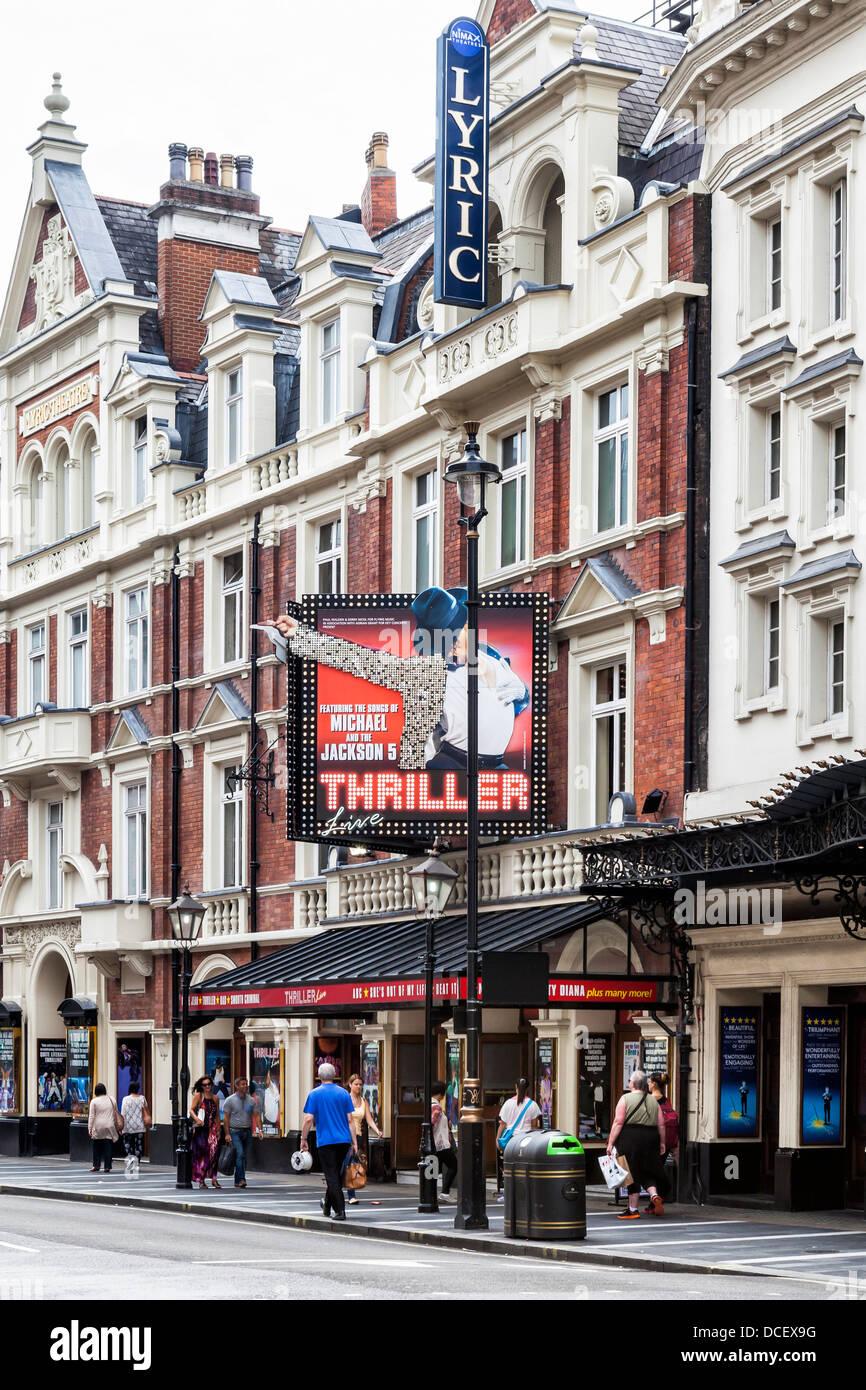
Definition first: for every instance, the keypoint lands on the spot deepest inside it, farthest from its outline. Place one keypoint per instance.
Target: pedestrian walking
(104, 1125)
(519, 1115)
(204, 1112)
(332, 1111)
(658, 1084)
(443, 1141)
(363, 1114)
(639, 1125)
(241, 1120)
(135, 1113)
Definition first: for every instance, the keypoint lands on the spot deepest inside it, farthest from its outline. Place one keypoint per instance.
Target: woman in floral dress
(205, 1133)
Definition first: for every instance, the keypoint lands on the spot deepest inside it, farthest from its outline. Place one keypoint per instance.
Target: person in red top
(659, 1082)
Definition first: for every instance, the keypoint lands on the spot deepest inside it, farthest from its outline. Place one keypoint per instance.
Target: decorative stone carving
(54, 277)
(501, 336)
(454, 359)
(548, 404)
(614, 198)
(55, 562)
(31, 572)
(30, 938)
(424, 310)
(368, 489)
(83, 550)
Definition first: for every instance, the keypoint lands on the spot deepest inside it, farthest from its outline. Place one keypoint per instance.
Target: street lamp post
(185, 915)
(472, 473)
(432, 885)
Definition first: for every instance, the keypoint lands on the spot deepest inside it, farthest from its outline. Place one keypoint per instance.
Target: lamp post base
(471, 1186)
(428, 1171)
(183, 1157)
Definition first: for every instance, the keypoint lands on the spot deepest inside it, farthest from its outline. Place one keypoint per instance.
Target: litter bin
(545, 1186)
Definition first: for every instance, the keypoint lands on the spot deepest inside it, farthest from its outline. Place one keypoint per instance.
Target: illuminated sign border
(301, 743)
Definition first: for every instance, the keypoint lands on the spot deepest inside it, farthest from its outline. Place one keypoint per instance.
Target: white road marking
(738, 1240)
(323, 1260)
(816, 1257)
(30, 1249)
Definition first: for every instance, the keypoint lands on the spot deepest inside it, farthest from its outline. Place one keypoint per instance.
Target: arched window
(552, 224)
(62, 493)
(33, 519)
(86, 448)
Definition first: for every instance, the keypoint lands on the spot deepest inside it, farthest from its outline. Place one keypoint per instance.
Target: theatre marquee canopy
(381, 967)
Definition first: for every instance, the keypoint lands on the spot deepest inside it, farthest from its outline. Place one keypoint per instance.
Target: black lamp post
(185, 915)
(472, 473)
(432, 885)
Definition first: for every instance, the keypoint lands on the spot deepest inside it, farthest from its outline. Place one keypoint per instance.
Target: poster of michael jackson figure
(385, 686)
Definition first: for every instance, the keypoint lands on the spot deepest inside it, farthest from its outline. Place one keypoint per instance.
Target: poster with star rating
(739, 1072)
(823, 1034)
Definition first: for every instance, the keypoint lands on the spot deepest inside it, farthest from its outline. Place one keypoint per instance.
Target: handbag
(146, 1117)
(508, 1134)
(356, 1172)
(118, 1119)
(226, 1160)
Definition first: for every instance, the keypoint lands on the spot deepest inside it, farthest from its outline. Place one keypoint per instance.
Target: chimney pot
(196, 164)
(211, 168)
(377, 150)
(177, 161)
(244, 166)
(227, 171)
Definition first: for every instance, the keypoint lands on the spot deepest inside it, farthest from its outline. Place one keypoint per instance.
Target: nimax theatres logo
(77, 1343)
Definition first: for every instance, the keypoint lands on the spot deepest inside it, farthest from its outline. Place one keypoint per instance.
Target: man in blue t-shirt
(333, 1110)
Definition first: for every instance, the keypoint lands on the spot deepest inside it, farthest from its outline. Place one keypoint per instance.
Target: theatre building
(206, 417)
(769, 868)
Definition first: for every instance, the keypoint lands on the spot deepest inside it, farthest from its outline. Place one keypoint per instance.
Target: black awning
(836, 782)
(10, 1013)
(394, 951)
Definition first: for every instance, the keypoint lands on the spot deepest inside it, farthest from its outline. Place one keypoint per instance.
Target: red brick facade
(379, 201)
(507, 14)
(185, 270)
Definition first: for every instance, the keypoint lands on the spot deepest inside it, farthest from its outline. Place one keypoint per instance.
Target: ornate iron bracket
(849, 898)
(258, 773)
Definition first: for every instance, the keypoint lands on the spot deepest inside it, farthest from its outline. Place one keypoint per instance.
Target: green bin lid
(564, 1143)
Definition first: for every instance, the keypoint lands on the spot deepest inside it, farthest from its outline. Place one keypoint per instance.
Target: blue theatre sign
(462, 129)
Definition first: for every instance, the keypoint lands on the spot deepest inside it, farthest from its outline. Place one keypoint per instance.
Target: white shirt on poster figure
(498, 688)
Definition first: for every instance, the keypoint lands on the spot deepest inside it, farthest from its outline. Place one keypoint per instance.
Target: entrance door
(408, 1076)
(772, 1029)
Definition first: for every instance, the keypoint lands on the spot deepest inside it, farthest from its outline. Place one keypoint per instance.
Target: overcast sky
(299, 86)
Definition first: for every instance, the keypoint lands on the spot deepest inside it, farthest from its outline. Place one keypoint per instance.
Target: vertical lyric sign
(462, 132)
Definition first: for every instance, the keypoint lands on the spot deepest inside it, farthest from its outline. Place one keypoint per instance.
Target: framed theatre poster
(80, 1069)
(453, 1080)
(823, 1054)
(10, 1071)
(50, 1075)
(218, 1066)
(594, 1098)
(266, 1083)
(130, 1055)
(739, 1071)
(545, 1080)
(371, 1078)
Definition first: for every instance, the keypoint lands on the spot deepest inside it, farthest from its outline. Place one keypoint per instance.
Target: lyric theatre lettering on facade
(351, 653)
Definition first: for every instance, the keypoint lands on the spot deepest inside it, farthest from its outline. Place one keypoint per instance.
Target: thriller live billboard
(377, 718)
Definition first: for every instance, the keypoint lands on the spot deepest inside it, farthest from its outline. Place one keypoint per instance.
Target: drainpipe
(691, 494)
(175, 832)
(255, 595)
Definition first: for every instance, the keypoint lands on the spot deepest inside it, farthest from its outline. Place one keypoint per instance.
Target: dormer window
(234, 413)
(330, 370)
(139, 461)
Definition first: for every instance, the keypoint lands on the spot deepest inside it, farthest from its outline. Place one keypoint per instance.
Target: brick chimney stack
(379, 199)
(208, 219)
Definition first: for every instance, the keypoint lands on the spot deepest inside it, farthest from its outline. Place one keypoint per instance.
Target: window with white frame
(139, 461)
(514, 466)
(53, 852)
(63, 493)
(78, 629)
(329, 357)
(609, 723)
(425, 496)
(835, 668)
(838, 471)
(232, 605)
(773, 425)
(774, 264)
(838, 249)
(135, 840)
(772, 629)
(136, 640)
(329, 558)
(231, 798)
(36, 665)
(610, 448)
(234, 413)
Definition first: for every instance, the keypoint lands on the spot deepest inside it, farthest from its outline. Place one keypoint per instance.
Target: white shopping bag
(613, 1172)
(131, 1168)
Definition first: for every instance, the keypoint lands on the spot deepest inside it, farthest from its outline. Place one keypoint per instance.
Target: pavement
(827, 1248)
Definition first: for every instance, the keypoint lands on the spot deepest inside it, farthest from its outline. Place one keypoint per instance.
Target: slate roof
(245, 289)
(819, 369)
(279, 250)
(133, 234)
(614, 578)
(87, 228)
(829, 564)
(336, 234)
(759, 545)
(760, 354)
(402, 240)
(631, 45)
